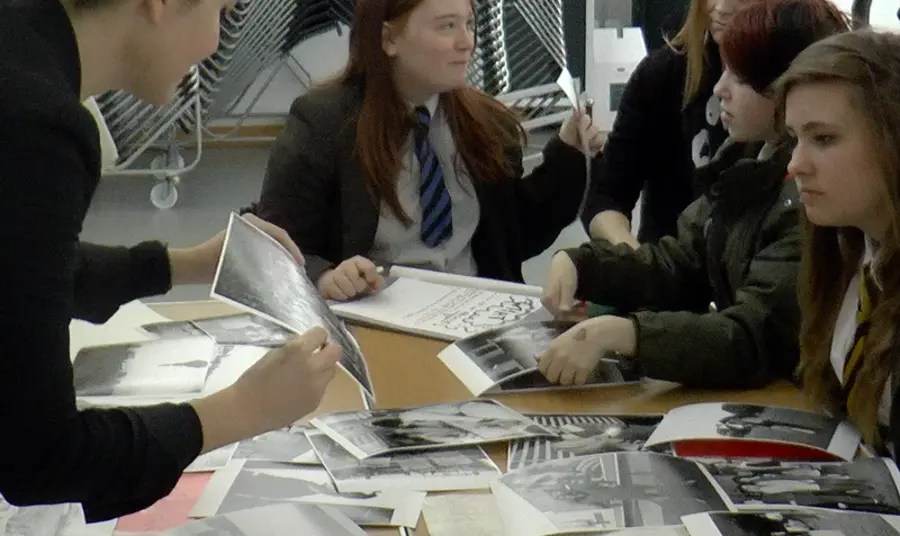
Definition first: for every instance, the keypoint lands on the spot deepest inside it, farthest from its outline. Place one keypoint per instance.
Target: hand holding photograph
(385, 431)
(505, 359)
(257, 274)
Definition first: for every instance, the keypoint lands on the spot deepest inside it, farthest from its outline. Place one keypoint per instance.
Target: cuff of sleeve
(178, 428)
(558, 149)
(151, 268)
(648, 342)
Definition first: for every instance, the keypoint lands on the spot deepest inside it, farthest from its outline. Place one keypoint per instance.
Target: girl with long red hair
(399, 161)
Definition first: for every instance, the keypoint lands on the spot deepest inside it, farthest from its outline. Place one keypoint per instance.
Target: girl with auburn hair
(399, 161)
(839, 100)
(715, 305)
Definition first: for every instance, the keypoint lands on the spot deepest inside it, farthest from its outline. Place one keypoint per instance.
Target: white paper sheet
(122, 327)
(248, 484)
(454, 514)
(441, 311)
(274, 520)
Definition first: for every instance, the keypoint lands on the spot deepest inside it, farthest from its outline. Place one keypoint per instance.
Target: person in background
(839, 100)
(715, 305)
(399, 161)
(53, 55)
(667, 125)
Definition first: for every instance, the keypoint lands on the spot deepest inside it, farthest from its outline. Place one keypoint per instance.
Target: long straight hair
(691, 41)
(867, 64)
(486, 133)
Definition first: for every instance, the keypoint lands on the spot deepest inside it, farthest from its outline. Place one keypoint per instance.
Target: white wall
(322, 56)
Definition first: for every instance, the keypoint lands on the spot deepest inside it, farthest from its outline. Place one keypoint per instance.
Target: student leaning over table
(737, 246)
(112, 461)
(840, 102)
(399, 161)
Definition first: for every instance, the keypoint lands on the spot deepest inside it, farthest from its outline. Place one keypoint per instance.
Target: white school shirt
(397, 244)
(845, 332)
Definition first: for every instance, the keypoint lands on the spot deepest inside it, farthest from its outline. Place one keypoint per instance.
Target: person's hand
(558, 295)
(349, 279)
(288, 382)
(579, 131)
(198, 264)
(573, 356)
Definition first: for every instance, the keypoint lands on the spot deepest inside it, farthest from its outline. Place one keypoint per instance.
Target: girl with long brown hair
(715, 305)
(839, 100)
(399, 161)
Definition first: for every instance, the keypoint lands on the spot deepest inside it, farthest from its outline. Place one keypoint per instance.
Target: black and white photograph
(250, 484)
(245, 328)
(580, 435)
(466, 468)
(258, 275)
(274, 520)
(153, 368)
(609, 491)
(806, 522)
(505, 359)
(285, 445)
(49, 520)
(763, 424)
(385, 431)
(230, 363)
(173, 330)
(868, 485)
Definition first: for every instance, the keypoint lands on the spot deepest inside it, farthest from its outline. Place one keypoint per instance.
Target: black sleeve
(548, 198)
(296, 189)
(646, 129)
(106, 277)
(112, 461)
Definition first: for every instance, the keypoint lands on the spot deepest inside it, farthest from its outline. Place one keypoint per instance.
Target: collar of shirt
(431, 103)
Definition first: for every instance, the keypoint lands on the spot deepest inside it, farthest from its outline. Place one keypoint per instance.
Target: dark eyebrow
(453, 16)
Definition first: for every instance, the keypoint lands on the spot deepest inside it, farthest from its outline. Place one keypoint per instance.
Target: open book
(752, 431)
(630, 490)
(455, 307)
(505, 359)
(258, 275)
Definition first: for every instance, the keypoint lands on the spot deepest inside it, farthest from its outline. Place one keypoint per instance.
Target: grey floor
(225, 180)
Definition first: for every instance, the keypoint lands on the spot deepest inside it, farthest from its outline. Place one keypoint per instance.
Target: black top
(655, 145)
(112, 461)
(315, 189)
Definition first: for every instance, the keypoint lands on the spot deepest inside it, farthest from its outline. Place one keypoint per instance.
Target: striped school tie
(437, 213)
(854, 361)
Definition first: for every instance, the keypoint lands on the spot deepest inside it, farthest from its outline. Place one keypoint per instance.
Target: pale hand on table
(349, 279)
(198, 264)
(573, 356)
(285, 385)
(558, 295)
(578, 131)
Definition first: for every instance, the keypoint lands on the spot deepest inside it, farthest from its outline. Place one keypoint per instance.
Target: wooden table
(406, 372)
